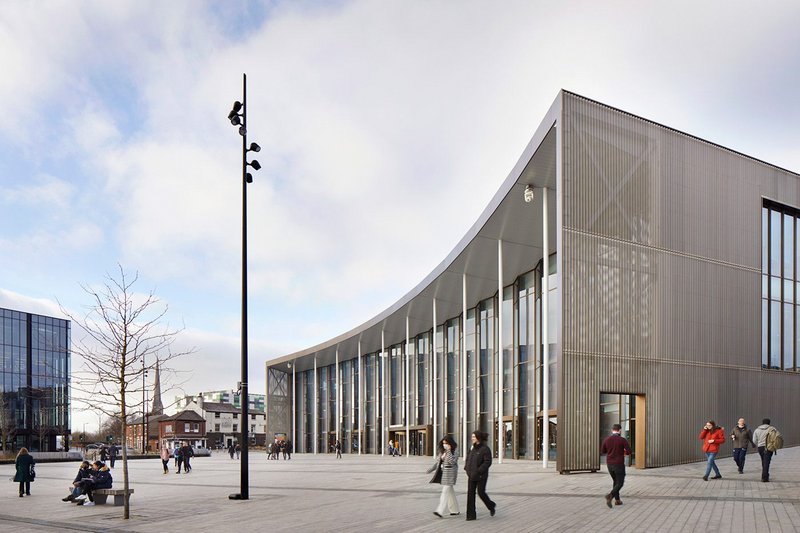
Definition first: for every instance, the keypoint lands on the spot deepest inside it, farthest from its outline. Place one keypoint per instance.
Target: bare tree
(8, 422)
(125, 337)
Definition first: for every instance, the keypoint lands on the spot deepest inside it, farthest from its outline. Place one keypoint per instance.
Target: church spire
(157, 408)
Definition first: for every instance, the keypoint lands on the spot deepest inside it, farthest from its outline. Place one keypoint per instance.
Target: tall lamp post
(238, 117)
(144, 409)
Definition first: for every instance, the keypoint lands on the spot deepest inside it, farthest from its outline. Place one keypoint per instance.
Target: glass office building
(613, 278)
(34, 405)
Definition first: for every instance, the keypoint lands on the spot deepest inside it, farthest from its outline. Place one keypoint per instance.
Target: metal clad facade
(661, 284)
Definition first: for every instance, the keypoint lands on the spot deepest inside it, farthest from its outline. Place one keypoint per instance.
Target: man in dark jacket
(187, 453)
(741, 437)
(615, 447)
(479, 459)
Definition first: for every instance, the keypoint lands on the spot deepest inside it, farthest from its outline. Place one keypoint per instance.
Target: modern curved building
(623, 272)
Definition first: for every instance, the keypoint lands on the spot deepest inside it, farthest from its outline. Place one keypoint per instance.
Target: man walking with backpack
(769, 440)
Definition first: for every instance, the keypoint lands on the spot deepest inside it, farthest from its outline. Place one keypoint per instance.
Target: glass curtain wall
(308, 426)
(356, 394)
(369, 403)
(438, 381)
(331, 410)
(422, 371)
(525, 374)
(345, 429)
(452, 418)
(472, 376)
(486, 366)
(522, 369)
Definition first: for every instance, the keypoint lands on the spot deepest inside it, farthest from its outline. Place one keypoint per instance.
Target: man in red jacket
(712, 436)
(615, 447)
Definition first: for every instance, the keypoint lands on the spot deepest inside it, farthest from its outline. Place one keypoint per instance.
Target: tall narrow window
(779, 284)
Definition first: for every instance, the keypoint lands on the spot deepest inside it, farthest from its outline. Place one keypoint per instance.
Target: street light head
(254, 147)
(237, 105)
(248, 178)
(255, 164)
(242, 131)
(235, 120)
(231, 115)
(528, 194)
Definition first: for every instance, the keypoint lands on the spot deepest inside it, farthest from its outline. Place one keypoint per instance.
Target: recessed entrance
(627, 410)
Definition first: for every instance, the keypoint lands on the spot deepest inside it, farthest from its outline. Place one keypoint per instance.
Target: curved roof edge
(552, 116)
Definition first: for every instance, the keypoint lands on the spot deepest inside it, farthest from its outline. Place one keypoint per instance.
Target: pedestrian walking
(24, 471)
(187, 453)
(175, 452)
(479, 459)
(446, 467)
(741, 438)
(391, 448)
(712, 436)
(112, 455)
(615, 447)
(103, 453)
(338, 447)
(289, 448)
(179, 458)
(230, 450)
(165, 458)
(238, 450)
(769, 440)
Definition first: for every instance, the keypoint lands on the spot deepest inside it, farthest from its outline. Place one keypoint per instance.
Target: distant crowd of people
(279, 447)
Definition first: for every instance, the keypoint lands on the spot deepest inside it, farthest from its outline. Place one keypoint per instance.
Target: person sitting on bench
(101, 479)
(84, 472)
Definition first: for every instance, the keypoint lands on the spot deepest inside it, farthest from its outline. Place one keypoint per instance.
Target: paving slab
(372, 493)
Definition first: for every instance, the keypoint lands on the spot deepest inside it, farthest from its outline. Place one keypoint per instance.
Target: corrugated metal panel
(660, 289)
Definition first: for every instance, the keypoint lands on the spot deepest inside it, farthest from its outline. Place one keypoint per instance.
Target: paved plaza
(368, 493)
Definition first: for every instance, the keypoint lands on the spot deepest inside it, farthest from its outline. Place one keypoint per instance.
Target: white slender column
(316, 405)
(338, 416)
(384, 425)
(377, 406)
(500, 430)
(294, 405)
(408, 417)
(361, 388)
(545, 340)
(464, 446)
(435, 383)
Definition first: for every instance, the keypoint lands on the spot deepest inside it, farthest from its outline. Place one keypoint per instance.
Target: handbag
(437, 477)
(33, 473)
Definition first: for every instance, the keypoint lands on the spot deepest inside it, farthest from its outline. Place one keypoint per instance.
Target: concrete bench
(101, 495)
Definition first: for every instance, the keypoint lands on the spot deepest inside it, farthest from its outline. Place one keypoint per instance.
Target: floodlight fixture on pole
(238, 117)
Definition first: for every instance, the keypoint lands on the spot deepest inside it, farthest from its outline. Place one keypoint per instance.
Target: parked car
(198, 452)
(201, 452)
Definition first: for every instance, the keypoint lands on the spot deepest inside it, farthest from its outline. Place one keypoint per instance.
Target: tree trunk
(126, 514)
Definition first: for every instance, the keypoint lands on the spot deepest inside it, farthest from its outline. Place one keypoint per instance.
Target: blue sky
(385, 128)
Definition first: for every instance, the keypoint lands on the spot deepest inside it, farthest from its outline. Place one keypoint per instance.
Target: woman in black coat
(479, 459)
(24, 464)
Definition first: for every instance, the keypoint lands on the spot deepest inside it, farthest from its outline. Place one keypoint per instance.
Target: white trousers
(448, 500)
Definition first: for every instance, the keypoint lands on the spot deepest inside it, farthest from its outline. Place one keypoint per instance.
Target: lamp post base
(236, 497)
